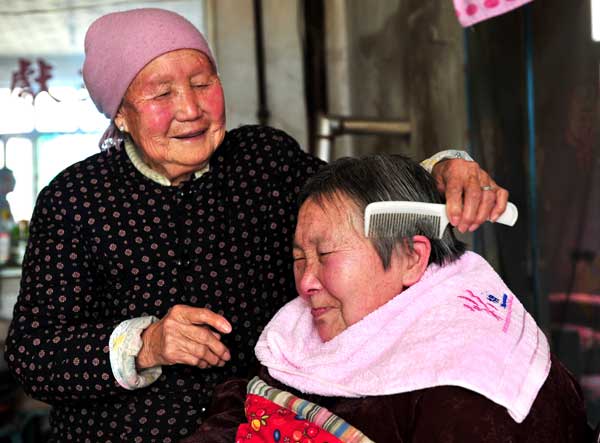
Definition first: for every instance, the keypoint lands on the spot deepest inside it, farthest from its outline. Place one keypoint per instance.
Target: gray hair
(382, 177)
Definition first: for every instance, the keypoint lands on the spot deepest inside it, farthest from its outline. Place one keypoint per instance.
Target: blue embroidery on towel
(490, 305)
(476, 304)
(494, 299)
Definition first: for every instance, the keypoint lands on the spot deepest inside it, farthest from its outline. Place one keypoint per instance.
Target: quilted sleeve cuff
(430, 162)
(124, 345)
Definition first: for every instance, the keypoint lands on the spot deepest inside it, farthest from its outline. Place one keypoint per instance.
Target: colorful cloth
(470, 12)
(459, 325)
(278, 416)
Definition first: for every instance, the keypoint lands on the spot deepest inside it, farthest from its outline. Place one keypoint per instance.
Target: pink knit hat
(120, 44)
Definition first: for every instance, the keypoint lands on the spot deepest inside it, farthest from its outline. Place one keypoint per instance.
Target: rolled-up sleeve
(125, 344)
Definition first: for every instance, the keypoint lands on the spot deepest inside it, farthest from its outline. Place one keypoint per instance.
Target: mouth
(319, 312)
(190, 135)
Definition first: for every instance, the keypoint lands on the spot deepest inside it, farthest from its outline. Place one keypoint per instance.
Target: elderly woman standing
(152, 267)
(399, 337)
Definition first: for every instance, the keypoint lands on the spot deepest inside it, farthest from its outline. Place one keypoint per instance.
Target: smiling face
(174, 111)
(337, 269)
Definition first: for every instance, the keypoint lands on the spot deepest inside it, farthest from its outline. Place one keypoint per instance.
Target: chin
(325, 336)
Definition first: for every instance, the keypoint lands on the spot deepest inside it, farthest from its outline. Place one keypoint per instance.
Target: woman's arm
(57, 346)
(472, 196)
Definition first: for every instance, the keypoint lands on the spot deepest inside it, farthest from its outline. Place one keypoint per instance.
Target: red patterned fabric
(269, 422)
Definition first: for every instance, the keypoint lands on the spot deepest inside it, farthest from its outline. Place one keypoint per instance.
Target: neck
(160, 175)
(176, 174)
(180, 178)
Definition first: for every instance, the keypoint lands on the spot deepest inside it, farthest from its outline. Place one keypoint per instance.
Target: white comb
(392, 217)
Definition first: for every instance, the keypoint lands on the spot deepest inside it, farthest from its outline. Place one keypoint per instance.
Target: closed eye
(162, 94)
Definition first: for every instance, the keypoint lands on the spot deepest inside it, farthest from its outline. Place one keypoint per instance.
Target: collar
(140, 165)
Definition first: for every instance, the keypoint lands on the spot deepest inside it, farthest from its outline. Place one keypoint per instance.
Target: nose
(188, 105)
(307, 279)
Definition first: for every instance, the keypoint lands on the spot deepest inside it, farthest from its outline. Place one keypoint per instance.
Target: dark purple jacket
(445, 414)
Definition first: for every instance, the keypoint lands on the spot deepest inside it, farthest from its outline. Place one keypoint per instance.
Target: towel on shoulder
(460, 325)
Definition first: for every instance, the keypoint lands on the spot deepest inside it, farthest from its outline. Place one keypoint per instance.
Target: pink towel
(459, 325)
(470, 12)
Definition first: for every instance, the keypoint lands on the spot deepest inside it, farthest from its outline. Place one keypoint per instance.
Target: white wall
(390, 59)
(233, 31)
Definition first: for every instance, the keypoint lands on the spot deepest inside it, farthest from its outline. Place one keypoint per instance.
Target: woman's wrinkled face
(337, 269)
(175, 112)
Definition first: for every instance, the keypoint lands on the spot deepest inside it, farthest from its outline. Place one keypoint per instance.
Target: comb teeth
(397, 224)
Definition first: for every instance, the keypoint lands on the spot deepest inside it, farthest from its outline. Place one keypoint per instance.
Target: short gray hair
(383, 177)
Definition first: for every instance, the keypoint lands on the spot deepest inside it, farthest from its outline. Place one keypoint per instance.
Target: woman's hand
(184, 336)
(472, 197)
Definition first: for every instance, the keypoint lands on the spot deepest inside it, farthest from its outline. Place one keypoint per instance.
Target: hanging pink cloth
(470, 12)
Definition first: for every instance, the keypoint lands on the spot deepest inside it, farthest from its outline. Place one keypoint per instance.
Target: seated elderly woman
(403, 338)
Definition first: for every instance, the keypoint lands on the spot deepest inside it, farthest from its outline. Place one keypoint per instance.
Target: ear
(416, 260)
(121, 121)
